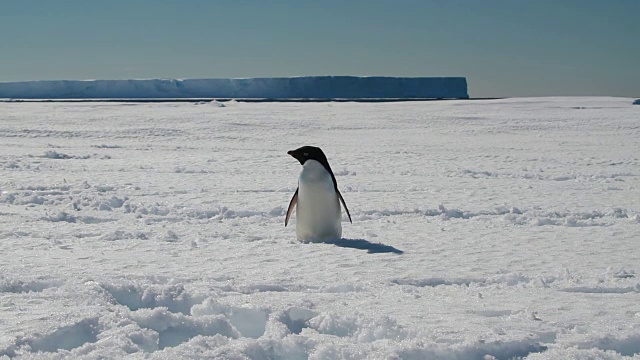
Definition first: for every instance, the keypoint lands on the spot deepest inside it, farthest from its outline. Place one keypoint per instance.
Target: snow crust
(304, 87)
(481, 229)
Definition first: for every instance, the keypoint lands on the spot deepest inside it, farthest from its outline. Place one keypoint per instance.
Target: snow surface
(314, 87)
(481, 229)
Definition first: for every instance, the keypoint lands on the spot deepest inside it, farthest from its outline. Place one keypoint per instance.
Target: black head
(309, 153)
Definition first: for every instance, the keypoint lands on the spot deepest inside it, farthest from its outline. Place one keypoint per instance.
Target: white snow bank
(305, 87)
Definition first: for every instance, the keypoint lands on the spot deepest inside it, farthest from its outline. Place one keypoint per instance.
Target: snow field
(503, 228)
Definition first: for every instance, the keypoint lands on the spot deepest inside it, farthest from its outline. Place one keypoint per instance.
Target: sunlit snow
(498, 229)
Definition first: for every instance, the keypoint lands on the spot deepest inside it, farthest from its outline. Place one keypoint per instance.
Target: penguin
(317, 198)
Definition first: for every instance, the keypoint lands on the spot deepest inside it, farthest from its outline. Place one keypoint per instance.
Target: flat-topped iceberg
(305, 87)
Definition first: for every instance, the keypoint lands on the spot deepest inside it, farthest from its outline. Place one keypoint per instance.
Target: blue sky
(503, 47)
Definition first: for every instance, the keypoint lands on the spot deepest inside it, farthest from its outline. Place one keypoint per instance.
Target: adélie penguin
(317, 199)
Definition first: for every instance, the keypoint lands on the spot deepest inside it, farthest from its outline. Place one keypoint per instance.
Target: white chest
(318, 213)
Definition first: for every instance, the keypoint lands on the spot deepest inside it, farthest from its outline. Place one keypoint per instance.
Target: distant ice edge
(304, 87)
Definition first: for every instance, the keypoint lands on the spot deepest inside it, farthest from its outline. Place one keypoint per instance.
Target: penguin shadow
(362, 244)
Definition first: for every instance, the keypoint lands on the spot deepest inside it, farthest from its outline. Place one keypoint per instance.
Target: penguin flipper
(292, 204)
(345, 205)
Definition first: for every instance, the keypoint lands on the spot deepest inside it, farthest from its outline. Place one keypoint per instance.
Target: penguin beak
(295, 155)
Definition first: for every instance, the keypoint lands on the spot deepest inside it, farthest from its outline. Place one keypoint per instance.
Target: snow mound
(304, 87)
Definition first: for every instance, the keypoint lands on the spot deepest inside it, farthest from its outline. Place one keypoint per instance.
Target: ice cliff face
(306, 87)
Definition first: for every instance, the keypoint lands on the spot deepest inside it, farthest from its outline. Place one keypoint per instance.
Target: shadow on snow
(362, 244)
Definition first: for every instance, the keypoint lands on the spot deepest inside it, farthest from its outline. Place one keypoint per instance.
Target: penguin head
(309, 153)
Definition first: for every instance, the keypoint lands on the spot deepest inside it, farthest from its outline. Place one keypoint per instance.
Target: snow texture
(305, 87)
(494, 229)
